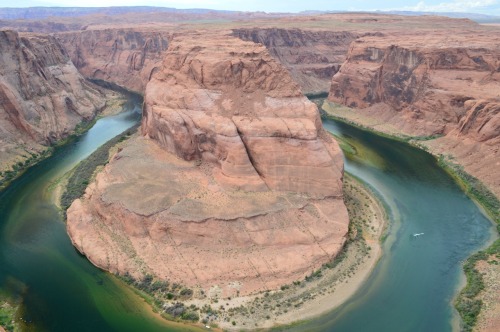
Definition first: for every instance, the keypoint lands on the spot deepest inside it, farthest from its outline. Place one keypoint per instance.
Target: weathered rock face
(312, 57)
(126, 57)
(42, 95)
(427, 85)
(235, 187)
(241, 110)
(422, 82)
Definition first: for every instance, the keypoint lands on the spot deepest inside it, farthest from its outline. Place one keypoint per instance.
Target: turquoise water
(410, 290)
(413, 286)
(58, 288)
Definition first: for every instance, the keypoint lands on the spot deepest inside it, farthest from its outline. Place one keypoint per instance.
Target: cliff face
(423, 85)
(126, 57)
(431, 85)
(241, 110)
(312, 57)
(42, 95)
(244, 189)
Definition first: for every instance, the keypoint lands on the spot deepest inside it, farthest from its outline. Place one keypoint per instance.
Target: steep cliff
(123, 56)
(431, 85)
(244, 187)
(42, 95)
(312, 57)
(421, 81)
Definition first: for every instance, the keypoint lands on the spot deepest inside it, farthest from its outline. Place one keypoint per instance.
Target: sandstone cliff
(123, 56)
(312, 57)
(42, 95)
(236, 188)
(431, 85)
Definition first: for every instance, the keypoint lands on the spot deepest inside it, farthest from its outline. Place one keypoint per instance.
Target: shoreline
(337, 297)
(114, 102)
(321, 292)
(469, 300)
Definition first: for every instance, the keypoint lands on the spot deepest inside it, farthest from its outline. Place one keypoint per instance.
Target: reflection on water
(58, 288)
(414, 284)
(410, 290)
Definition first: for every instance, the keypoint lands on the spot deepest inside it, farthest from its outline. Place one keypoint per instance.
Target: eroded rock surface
(312, 57)
(42, 95)
(431, 85)
(124, 56)
(235, 185)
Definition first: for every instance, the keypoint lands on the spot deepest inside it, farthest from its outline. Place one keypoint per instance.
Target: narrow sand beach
(323, 290)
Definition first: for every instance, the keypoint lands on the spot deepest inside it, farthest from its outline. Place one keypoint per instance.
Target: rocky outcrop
(234, 188)
(420, 82)
(311, 57)
(242, 111)
(127, 57)
(431, 85)
(42, 95)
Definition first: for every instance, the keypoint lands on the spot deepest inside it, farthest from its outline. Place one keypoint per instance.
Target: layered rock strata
(431, 85)
(311, 57)
(235, 187)
(42, 95)
(124, 56)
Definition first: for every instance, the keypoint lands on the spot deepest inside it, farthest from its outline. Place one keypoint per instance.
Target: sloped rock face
(423, 82)
(241, 110)
(235, 187)
(431, 85)
(126, 57)
(42, 95)
(312, 57)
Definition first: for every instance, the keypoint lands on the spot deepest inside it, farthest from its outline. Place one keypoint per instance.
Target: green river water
(410, 290)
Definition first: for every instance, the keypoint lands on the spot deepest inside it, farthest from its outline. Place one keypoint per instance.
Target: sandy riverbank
(446, 148)
(323, 290)
(489, 319)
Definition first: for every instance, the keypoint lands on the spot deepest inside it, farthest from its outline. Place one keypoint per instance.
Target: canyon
(232, 187)
(125, 56)
(433, 86)
(244, 185)
(43, 97)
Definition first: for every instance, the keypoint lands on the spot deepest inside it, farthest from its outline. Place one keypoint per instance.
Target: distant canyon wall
(311, 57)
(126, 57)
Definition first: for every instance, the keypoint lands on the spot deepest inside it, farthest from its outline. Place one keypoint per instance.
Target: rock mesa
(235, 187)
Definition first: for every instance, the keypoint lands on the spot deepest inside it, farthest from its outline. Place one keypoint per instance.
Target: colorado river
(414, 284)
(410, 290)
(59, 290)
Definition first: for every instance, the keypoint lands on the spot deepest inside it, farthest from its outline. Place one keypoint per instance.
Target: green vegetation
(7, 316)
(82, 174)
(31, 158)
(466, 303)
(474, 188)
(159, 292)
(317, 95)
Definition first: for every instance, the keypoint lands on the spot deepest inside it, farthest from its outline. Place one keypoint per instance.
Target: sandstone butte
(42, 96)
(234, 186)
(430, 85)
